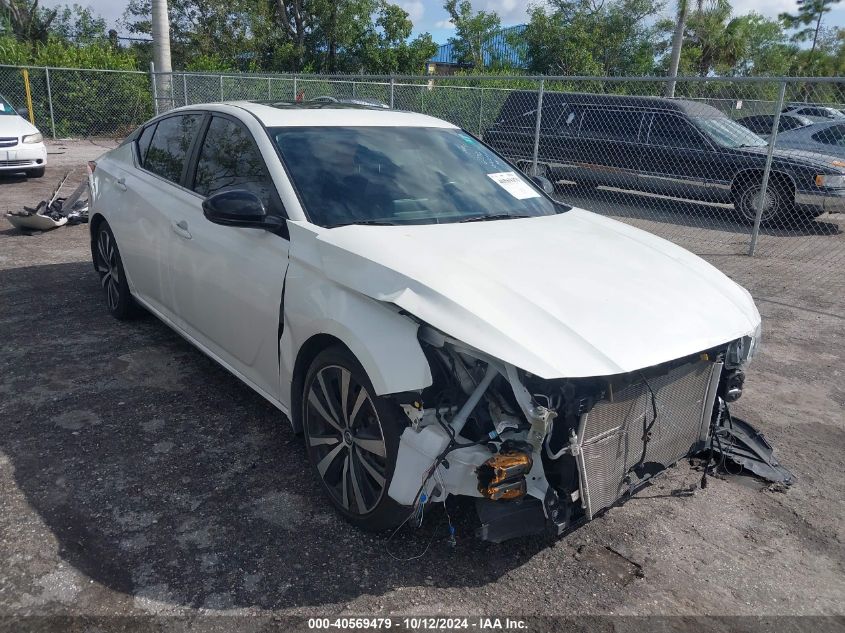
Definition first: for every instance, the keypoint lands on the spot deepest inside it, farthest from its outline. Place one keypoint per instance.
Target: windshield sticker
(514, 185)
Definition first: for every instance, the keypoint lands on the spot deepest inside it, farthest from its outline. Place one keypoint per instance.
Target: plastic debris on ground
(54, 212)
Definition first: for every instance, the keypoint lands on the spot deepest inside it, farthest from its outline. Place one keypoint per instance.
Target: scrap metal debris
(55, 211)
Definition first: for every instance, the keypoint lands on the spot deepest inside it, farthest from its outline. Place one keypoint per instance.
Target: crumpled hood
(570, 295)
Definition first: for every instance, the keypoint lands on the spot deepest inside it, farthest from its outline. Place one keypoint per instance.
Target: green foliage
(472, 31)
(583, 38)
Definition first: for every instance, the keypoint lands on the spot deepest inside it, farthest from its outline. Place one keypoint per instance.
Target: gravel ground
(137, 477)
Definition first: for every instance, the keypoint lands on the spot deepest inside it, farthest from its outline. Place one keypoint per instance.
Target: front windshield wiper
(494, 216)
(363, 223)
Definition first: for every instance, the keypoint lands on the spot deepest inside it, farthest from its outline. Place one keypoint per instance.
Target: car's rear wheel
(112, 276)
(352, 439)
(36, 173)
(777, 201)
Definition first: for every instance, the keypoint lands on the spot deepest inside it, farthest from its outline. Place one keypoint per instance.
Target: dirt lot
(137, 477)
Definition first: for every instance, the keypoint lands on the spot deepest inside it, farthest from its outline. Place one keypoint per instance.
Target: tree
(587, 37)
(79, 25)
(808, 22)
(473, 31)
(28, 21)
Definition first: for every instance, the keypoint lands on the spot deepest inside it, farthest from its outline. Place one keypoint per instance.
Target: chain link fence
(727, 166)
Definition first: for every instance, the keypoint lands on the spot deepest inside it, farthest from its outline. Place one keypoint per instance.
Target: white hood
(15, 125)
(570, 295)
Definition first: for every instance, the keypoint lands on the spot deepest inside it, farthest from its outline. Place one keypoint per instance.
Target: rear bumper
(830, 201)
(22, 157)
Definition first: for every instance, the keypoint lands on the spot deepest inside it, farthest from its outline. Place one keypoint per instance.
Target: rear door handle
(120, 183)
(181, 229)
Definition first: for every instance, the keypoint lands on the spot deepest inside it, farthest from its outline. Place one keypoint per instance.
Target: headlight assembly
(33, 138)
(831, 181)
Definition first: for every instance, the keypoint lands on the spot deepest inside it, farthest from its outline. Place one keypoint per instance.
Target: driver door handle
(181, 229)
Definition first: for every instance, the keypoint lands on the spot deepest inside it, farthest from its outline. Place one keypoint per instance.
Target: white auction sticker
(514, 185)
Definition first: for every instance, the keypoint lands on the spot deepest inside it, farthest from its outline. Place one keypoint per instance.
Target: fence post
(155, 87)
(221, 87)
(755, 233)
(537, 128)
(392, 82)
(481, 114)
(50, 102)
(269, 89)
(294, 87)
(185, 87)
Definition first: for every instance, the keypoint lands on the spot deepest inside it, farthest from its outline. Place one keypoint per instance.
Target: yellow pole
(25, 72)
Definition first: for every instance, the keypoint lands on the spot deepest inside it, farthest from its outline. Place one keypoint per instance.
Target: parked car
(21, 144)
(815, 113)
(672, 147)
(824, 138)
(430, 320)
(762, 124)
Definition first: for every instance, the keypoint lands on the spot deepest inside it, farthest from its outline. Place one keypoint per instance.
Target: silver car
(815, 113)
(823, 138)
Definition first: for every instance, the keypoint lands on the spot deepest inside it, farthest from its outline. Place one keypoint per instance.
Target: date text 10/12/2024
(418, 624)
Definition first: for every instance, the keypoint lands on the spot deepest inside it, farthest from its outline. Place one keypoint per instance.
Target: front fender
(382, 339)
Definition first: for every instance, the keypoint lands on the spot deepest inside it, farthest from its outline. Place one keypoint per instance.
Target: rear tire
(352, 439)
(36, 173)
(109, 266)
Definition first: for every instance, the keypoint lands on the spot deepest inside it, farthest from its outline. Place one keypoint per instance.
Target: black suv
(665, 146)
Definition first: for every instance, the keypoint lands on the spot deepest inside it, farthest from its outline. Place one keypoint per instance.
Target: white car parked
(431, 320)
(21, 144)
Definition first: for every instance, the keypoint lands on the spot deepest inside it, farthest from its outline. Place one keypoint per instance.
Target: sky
(429, 16)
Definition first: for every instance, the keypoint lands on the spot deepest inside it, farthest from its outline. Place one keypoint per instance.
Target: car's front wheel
(352, 439)
(777, 201)
(112, 276)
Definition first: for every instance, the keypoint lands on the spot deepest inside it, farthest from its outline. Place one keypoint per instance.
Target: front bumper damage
(546, 455)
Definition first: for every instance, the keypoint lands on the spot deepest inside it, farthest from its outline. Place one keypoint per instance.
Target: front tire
(777, 201)
(109, 266)
(352, 439)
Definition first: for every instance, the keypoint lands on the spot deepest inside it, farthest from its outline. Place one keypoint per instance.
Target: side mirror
(544, 183)
(239, 207)
(23, 112)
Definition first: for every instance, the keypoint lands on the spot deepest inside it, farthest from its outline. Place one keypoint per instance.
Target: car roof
(683, 106)
(310, 114)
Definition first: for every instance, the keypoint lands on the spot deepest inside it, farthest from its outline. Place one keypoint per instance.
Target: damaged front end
(546, 454)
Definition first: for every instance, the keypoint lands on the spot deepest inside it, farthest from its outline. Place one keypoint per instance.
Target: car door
(606, 148)
(227, 281)
(675, 159)
(148, 193)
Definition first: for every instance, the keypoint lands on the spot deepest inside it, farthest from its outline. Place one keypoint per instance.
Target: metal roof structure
(498, 49)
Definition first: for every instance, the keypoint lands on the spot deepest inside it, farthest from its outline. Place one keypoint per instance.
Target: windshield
(5, 108)
(403, 175)
(728, 133)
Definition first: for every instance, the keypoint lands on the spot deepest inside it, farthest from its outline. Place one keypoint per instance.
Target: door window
(614, 125)
(833, 135)
(170, 144)
(144, 142)
(672, 131)
(229, 159)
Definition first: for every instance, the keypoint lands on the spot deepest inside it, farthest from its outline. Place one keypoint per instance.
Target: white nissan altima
(428, 317)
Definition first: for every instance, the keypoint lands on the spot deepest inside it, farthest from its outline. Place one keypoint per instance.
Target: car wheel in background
(36, 173)
(112, 277)
(352, 439)
(778, 201)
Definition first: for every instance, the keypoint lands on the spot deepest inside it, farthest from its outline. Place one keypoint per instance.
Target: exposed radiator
(610, 457)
